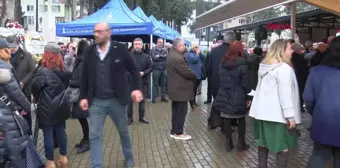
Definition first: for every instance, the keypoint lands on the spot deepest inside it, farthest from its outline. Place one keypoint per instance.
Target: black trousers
(179, 112)
(28, 117)
(85, 127)
(209, 93)
(322, 153)
(141, 105)
(197, 84)
(241, 128)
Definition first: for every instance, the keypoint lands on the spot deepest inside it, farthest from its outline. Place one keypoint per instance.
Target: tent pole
(151, 74)
(293, 19)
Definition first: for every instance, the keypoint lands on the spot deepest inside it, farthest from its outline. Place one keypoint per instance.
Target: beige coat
(181, 78)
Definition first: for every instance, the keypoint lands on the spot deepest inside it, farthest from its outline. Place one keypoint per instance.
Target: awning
(332, 6)
(235, 8)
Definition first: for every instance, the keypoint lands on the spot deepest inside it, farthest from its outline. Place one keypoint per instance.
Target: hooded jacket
(231, 99)
(277, 94)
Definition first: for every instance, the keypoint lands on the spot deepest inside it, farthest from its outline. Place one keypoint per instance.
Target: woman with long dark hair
(48, 88)
(322, 96)
(77, 113)
(231, 99)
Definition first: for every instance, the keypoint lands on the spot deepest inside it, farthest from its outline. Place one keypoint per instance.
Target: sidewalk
(153, 147)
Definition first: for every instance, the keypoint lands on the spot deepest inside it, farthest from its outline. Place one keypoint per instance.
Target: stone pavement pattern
(153, 147)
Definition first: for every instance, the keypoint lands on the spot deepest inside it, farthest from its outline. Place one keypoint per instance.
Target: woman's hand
(292, 124)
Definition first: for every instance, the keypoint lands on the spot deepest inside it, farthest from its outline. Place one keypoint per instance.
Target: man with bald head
(103, 91)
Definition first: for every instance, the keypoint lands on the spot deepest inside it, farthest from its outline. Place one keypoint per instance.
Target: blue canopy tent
(166, 34)
(120, 18)
(157, 30)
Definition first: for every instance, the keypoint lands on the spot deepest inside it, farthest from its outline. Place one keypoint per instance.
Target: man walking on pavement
(159, 54)
(144, 65)
(24, 67)
(181, 85)
(103, 91)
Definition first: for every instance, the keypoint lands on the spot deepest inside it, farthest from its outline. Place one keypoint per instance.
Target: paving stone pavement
(153, 147)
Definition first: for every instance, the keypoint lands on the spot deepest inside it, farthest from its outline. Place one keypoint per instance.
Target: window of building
(30, 20)
(59, 20)
(30, 8)
(58, 1)
(56, 8)
(43, 8)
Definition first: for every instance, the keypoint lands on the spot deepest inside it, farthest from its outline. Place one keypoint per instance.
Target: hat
(3, 43)
(52, 47)
(13, 41)
(296, 47)
(337, 34)
(258, 51)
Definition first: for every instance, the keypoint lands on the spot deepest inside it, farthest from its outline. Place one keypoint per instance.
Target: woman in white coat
(275, 106)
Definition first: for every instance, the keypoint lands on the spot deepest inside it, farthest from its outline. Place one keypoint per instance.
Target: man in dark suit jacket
(144, 65)
(103, 91)
(180, 88)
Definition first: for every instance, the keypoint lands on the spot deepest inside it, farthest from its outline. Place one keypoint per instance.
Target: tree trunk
(3, 11)
(91, 6)
(18, 12)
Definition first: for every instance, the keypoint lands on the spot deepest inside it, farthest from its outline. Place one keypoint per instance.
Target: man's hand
(137, 96)
(21, 85)
(84, 104)
(141, 73)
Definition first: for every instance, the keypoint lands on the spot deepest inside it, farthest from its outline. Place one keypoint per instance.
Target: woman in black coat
(77, 113)
(231, 99)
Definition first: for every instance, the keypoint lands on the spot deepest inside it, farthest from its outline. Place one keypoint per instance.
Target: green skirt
(273, 136)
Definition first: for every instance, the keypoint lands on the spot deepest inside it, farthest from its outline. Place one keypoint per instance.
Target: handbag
(73, 94)
(33, 158)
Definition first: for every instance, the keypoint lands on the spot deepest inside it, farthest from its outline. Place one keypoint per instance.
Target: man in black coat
(104, 91)
(24, 67)
(144, 65)
(213, 69)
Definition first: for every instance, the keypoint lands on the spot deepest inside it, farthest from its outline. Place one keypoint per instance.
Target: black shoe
(154, 101)
(165, 100)
(85, 147)
(242, 147)
(130, 121)
(143, 120)
(80, 144)
(207, 102)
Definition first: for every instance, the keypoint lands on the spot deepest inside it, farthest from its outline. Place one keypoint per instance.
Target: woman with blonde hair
(275, 106)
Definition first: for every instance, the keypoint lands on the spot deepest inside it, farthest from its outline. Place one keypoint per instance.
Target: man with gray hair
(180, 88)
(213, 69)
(144, 65)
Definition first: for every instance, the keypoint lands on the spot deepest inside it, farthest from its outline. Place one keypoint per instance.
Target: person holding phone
(276, 105)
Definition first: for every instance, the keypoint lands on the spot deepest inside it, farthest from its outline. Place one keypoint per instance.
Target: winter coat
(196, 63)
(214, 62)
(277, 94)
(180, 77)
(48, 88)
(254, 64)
(231, 99)
(321, 97)
(301, 69)
(13, 89)
(75, 83)
(159, 56)
(24, 67)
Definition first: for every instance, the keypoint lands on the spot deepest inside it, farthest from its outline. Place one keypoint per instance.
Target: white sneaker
(172, 135)
(182, 137)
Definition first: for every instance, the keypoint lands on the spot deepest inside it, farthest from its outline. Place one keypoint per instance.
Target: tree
(3, 11)
(18, 12)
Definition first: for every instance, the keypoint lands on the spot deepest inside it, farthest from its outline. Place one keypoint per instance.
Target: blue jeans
(49, 142)
(99, 109)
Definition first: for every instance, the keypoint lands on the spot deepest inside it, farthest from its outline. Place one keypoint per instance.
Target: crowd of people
(80, 82)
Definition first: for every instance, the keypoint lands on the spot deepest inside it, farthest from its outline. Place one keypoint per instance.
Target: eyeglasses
(101, 31)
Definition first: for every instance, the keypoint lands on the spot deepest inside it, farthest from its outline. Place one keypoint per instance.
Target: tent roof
(121, 19)
(140, 13)
(234, 8)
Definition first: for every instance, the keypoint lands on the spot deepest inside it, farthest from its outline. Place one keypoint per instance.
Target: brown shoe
(49, 164)
(63, 162)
